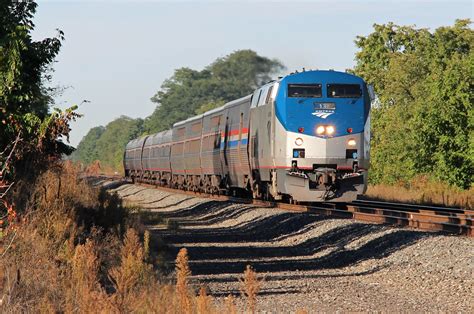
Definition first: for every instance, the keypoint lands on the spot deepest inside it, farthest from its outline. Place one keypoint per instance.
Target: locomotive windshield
(304, 90)
(344, 91)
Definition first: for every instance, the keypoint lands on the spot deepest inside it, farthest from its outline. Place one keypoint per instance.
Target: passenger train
(302, 138)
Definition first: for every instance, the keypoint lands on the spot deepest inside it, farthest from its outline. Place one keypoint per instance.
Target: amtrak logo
(323, 109)
(322, 113)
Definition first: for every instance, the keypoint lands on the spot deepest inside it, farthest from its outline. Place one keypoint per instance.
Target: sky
(117, 53)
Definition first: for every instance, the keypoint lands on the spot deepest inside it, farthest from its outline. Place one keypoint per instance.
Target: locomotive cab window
(344, 91)
(304, 90)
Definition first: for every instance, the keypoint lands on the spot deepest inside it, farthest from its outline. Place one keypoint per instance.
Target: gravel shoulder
(312, 262)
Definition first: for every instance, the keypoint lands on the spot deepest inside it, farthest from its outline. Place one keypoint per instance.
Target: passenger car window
(344, 90)
(304, 90)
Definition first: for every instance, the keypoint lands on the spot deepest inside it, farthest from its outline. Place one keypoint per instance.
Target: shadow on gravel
(237, 293)
(205, 213)
(293, 276)
(170, 205)
(258, 230)
(283, 257)
(209, 254)
(153, 201)
(217, 236)
(133, 193)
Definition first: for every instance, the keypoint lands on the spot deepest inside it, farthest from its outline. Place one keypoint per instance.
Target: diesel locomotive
(302, 138)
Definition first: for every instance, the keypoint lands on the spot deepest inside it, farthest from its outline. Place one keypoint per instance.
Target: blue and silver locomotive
(302, 138)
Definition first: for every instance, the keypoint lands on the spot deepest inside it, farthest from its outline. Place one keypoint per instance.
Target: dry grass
(182, 276)
(133, 273)
(230, 307)
(96, 168)
(76, 252)
(204, 302)
(422, 191)
(250, 286)
(85, 292)
(146, 245)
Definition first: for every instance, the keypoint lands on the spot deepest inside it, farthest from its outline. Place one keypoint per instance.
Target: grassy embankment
(422, 191)
(78, 249)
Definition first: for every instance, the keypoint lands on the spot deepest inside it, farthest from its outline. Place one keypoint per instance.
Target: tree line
(187, 93)
(422, 125)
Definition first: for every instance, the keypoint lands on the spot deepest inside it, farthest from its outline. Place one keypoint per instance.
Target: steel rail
(422, 217)
(414, 207)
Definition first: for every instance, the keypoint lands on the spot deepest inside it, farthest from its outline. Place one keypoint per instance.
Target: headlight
(299, 141)
(320, 130)
(330, 130)
(351, 142)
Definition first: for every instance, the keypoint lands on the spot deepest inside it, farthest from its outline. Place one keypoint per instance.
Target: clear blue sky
(117, 53)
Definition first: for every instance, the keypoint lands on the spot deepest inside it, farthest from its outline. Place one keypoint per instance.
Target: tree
(189, 91)
(87, 149)
(111, 144)
(179, 97)
(424, 125)
(25, 67)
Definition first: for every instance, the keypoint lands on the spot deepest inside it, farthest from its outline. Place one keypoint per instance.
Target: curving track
(430, 218)
(308, 261)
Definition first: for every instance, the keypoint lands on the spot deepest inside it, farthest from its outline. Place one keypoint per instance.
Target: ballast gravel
(311, 262)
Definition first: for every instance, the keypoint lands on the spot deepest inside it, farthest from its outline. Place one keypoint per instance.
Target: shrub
(250, 286)
(182, 276)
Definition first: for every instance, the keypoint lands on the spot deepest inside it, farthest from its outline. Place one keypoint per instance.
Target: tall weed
(132, 274)
(250, 286)
(423, 191)
(182, 277)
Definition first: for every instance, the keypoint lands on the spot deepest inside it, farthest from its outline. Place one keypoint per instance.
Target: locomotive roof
(322, 74)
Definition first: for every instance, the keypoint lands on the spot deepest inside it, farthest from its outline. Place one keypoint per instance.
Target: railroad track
(430, 218)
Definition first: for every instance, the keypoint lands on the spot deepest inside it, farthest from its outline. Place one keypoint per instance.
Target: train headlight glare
(320, 130)
(351, 142)
(299, 141)
(330, 129)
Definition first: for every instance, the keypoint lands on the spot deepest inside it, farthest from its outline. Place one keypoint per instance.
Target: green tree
(25, 68)
(189, 91)
(424, 125)
(178, 98)
(111, 144)
(87, 149)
